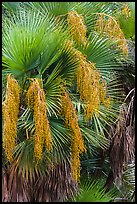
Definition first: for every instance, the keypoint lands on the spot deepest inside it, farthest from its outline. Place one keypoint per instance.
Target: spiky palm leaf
(56, 186)
(128, 187)
(94, 191)
(47, 182)
(26, 43)
(10, 6)
(53, 8)
(60, 136)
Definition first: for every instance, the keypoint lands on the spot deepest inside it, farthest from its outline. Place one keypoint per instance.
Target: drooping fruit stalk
(10, 116)
(76, 27)
(36, 101)
(107, 25)
(77, 143)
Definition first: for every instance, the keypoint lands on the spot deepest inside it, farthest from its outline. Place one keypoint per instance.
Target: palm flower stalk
(77, 143)
(109, 26)
(36, 100)
(77, 27)
(126, 11)
(10, 116)
(92, 90)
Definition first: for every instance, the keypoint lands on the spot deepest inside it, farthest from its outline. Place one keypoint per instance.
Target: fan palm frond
(92, 7)
(53, 94)
(93, 191)
(11, 6)
(95, 138)
(56, 186)
(15, 187)
(128, 187)
(60, 135)
(53, 8)
(26, 43)
(100, 52)
(21, 187)
(60, 73)
(61, 141)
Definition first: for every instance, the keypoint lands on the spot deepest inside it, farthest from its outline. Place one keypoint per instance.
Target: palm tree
(63, 94)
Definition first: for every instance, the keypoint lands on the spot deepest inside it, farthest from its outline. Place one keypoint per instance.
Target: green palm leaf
(61, 137)
(88, 8)
(101, 51)
(128, 187)
(30, 41)
(60, 73)
(94, 138)
(53, 8)
(93, 191)
(11, 6)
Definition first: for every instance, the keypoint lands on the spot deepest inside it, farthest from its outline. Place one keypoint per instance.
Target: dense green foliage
(37, 43)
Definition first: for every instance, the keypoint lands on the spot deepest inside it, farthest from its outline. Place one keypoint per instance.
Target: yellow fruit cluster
(110, 27)
(77, 144)
(77, 27)
(36, 100)
(92, 91)
(10, 116)
(126, 11)
(84, 73)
